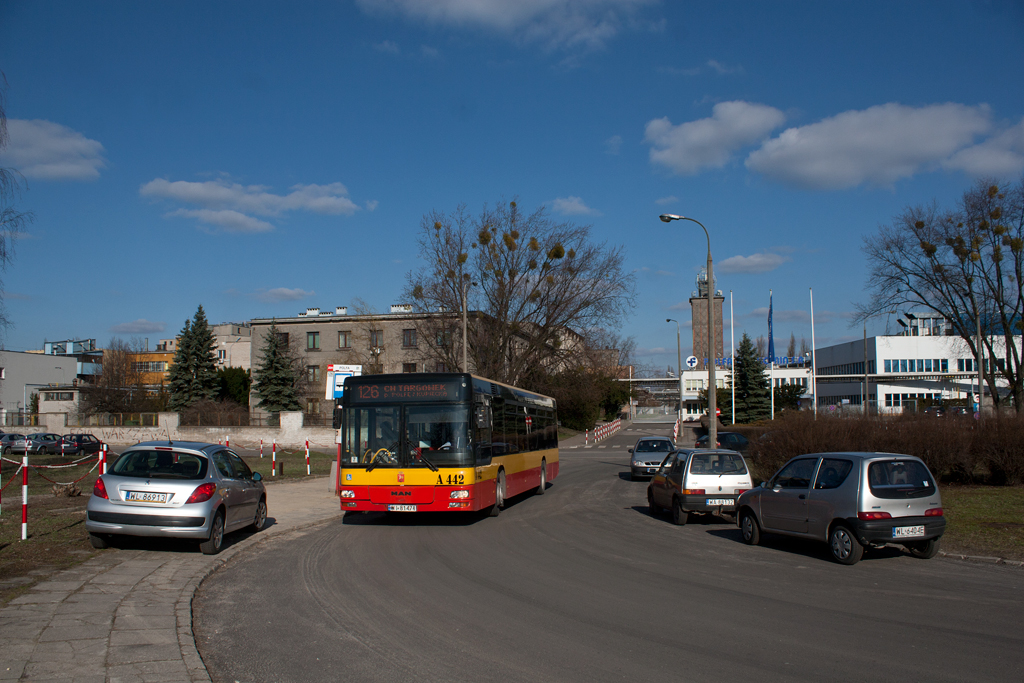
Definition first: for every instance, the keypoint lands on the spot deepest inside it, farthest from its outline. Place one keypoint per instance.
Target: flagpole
(771, 355)
(814, 360)
(732, 363)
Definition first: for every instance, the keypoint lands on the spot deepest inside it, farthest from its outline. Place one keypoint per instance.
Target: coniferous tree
(752, 400)
(193, 377)
(276, 376)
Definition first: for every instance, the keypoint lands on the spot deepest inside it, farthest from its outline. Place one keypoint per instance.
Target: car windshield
(154, 464)
(900, 479)
(654, 446)
(717, 463)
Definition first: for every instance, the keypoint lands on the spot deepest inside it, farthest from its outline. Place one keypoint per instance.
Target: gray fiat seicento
(850, 501)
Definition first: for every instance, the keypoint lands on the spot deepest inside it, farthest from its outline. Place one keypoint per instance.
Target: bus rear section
(424, 443)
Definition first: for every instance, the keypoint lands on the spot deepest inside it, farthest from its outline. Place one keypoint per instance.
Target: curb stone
(981, 558)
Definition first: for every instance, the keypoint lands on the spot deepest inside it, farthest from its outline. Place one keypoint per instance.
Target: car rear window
(717, 463)
(151, 464)
(900, 479)
(654, 446)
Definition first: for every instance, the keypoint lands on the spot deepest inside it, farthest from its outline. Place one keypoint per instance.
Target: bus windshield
(407, 436)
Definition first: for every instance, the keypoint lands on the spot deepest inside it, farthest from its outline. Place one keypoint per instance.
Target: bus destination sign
(409, 391)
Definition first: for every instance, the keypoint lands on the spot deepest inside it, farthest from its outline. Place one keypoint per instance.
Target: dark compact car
(730, 440)
(850, 501)
(45, 443)
(79, 444)
(176, 489)
(648, 454)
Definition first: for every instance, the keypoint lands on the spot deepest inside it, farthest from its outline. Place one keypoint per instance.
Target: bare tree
(119, 387)
(965, 264)
(12, 221)
(791, 349)
(532, 284)
(762, 346)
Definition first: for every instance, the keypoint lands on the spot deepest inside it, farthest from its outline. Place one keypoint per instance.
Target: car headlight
(459, 494)
(346, 493)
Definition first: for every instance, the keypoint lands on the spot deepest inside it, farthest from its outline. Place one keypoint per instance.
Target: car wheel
(7, 450)
(499, 495)
(212, 545)
(261, 516)
(846, 549)
(679, 516)
(653, 507)
(926, 550)
(750, 529)
(543, 478)
(98, 542)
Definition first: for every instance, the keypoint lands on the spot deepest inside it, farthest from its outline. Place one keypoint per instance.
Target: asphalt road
(582, 584)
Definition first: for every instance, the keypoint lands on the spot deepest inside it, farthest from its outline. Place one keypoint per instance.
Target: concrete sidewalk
(125, 616)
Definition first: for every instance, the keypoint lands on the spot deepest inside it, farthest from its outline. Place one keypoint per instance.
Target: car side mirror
(764, 484)
(256, 476)
(630, 450)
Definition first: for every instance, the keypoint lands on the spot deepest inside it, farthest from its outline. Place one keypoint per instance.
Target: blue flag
(771, 336)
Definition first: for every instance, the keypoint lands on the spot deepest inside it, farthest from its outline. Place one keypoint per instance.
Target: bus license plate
(907, 531)
(146, 497)
(401, 508)
(719, 501)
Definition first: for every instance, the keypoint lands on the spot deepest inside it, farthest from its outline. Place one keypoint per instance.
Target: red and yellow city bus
(442, 441)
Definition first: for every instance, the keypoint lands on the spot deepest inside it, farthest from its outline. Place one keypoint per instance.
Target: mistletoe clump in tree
(193, 377)
(276, 376)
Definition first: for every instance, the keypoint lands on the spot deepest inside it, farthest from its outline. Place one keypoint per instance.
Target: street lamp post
(679, 368)
(466, 284)
(712, 403)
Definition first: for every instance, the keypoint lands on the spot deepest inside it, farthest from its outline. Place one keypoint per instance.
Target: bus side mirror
(336, 421)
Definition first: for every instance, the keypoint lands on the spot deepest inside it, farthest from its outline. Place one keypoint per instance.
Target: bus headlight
(347, 493)
(459, 494)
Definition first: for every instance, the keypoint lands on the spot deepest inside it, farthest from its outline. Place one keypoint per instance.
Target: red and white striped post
(273, 461)
(103, 459)
(24, 496)
(307, 457)
(261, 448)
(227, 441)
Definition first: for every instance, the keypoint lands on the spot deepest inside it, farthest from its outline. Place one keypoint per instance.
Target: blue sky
(259, 158)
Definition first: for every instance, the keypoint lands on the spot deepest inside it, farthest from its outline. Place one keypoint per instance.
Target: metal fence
(114, 420)
(21, 420)
(210, 419)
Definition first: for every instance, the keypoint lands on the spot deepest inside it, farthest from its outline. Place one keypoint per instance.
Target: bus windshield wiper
(429, 464)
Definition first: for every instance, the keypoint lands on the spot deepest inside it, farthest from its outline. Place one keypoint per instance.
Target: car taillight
(739, 491)
(873, 515)
(99, 490)
(203, 493)
(693, 492)
(933, 512)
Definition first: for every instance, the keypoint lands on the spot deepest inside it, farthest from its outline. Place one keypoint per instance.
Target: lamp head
(668, 218)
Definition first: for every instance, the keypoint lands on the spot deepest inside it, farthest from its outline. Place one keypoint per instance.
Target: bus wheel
(499, 494)
(543, 478)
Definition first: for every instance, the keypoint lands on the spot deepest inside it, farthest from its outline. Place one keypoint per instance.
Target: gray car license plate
(146, 497)
(719, 501)
(907, 531)
(401, 508)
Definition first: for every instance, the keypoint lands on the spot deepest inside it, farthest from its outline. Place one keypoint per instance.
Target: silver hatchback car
(850, 501)
(698, 481)
(176, 489)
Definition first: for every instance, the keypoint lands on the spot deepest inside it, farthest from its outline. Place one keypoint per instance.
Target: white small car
(698, 481)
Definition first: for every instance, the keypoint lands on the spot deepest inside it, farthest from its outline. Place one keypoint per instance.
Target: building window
(408, 367)
(945, 365)
(927, 364)
(376, 338)
(312, 373)
(440, 367)
(312, 341)
(888, 366)
(58, 396)
(283, 338)
(344, 339)
(408, 338)
(312, 406)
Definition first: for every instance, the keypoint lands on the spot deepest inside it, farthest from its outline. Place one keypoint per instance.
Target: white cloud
(1000, 155)
(430, 52)
(573, 206)
(613, 144)
(724, 69)
(876, 146)
(230, 220)
(672, 199)
(231, 206)
(50, 151)
(554, 23)
(755, 263)
(140, 326)
(282, 294)
(709, 143)
(389, 46)
(372, 204)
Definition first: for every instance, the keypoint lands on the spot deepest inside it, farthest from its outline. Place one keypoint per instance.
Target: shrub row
(956, 449)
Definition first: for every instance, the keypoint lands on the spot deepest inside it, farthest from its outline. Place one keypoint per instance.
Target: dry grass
(984, 520)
